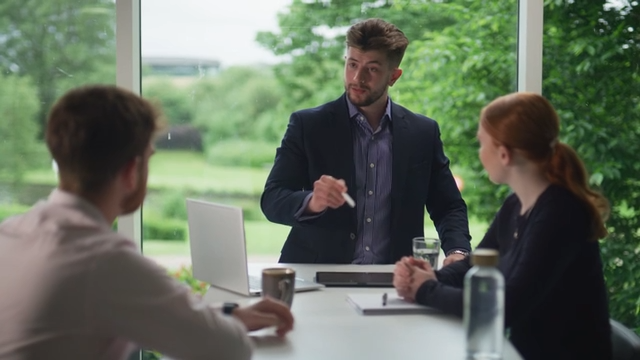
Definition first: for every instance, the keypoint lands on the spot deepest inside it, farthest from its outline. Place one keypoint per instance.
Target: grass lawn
(185, 170)
(189, 170)
(265, 238)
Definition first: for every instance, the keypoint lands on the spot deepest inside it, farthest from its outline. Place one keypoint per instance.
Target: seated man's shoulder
(116, 256)
(114, 242)
(93, 248)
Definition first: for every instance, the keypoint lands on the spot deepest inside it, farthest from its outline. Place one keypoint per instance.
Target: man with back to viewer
(388, 159)
(74, 289)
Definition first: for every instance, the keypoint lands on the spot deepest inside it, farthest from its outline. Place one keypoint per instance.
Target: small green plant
(150, 355)
(185, 275)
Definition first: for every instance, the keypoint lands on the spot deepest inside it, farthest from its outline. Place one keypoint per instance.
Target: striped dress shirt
(372, 158)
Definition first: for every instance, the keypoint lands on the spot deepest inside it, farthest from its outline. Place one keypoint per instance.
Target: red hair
(528, 123)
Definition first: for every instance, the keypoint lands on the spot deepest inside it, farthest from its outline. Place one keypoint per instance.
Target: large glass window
(592, 76)
(47, 47)
(228, 75)
(218, 91)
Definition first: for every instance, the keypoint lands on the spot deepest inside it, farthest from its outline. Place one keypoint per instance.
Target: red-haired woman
(547, 235)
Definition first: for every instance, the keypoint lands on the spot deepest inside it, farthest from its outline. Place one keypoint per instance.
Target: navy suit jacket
(319, 142)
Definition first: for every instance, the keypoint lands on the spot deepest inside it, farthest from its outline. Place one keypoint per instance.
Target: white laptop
(218, 249)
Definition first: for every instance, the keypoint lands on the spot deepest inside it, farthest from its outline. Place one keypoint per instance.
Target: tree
(592, 75)
(174, 101)
(312, 35)
(451, 73)
(58, 44)
(235, 112)
(230, 105)
(19, 148)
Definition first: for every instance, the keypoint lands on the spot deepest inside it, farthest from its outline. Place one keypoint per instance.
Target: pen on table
(384, 299)
(348, 199)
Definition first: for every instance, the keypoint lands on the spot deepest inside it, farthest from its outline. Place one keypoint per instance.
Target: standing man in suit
(388, 159)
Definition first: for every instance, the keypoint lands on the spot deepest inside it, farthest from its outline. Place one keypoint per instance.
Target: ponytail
(566, 169)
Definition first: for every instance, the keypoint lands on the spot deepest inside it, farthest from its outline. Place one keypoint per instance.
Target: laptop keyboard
(255, 283)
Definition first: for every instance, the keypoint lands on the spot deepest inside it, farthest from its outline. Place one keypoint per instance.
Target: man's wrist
(228, 308)
(301, 214)
(309, 210)
(462, 252)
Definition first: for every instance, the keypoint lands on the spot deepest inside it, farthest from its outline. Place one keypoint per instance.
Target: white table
(327, 327)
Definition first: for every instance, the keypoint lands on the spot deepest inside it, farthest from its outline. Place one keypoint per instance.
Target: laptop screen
(217, 243)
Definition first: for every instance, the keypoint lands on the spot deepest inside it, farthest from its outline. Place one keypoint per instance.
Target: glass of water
(427, 249)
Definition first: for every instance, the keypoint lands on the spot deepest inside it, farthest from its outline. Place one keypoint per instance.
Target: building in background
(180, 66)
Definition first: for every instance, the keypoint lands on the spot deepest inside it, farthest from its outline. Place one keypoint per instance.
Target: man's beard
(133, 201)
(371, 97)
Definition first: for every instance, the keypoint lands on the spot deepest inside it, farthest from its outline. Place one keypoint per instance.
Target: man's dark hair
(379, 35)
(94, 131)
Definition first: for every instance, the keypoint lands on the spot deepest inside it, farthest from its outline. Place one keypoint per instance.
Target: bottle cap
(484, 257)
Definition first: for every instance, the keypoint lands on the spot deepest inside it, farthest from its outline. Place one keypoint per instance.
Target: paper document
(372, 304)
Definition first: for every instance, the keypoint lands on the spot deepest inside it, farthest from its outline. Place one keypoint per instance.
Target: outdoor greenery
(18, 109)
(57, 44)
(462, 54)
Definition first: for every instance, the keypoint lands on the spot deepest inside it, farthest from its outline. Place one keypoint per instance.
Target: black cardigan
(555, 296)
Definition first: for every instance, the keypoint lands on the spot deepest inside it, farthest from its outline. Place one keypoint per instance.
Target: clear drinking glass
(427, 249)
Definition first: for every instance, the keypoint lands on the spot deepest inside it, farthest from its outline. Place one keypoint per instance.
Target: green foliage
(19, 146)
(185, 275)
(620, 256)
(173, 205)
(189, 171)
(307, 36)
(8, 210)
(592, 75)
(58, 44)
(159, 228)
(175, 102)
(242, 153)
(252, 212)
(312, 35)
(270, 125)
(230, 105)
(240, 103)
(451, 73)
(151, 355)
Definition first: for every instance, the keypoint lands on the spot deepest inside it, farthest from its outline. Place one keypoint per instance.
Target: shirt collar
(65, 198)
(353, 110)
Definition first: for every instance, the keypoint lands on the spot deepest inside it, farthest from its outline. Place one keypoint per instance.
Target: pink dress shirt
(71, 288)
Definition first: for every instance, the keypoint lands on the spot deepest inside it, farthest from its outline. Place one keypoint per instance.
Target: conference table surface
(328, 327)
